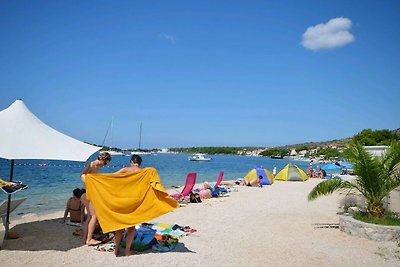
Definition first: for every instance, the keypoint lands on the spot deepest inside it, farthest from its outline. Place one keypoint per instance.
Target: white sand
(270, 226)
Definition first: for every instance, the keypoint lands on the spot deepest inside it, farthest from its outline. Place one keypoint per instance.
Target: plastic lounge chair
(3, 214)
(219, 180)
(187, 189)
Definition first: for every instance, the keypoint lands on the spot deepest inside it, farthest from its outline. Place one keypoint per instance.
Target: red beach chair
(187, 189)
(219, 180)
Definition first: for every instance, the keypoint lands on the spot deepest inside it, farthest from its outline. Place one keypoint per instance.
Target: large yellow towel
(126, 199)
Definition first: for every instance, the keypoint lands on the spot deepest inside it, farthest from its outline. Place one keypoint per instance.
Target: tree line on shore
(330, 149)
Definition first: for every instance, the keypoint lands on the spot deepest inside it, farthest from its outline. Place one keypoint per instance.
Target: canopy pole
(7, 225)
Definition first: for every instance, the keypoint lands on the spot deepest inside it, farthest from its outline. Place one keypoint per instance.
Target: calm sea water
(50, 186)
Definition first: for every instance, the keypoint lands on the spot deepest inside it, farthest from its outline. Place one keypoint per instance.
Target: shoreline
(51, 214)
(51, 186)
(273, 225)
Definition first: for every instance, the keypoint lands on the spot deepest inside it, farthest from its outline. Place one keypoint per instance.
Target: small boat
(276, 157)
(199, 157)
(115, 153)
(140, 152)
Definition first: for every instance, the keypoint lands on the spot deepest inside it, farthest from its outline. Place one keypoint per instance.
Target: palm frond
(391, 159)
(368, 170)
(328, 187)
(375, 176)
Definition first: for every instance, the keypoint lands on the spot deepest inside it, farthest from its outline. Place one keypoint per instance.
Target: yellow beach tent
(291, 173)
(268, 178)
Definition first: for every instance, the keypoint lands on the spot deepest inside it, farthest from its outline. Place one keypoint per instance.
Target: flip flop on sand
(109, 237)
(187, 229)
(108, 247)
(94, 242)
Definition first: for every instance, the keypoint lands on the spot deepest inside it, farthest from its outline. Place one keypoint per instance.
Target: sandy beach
(270, 226)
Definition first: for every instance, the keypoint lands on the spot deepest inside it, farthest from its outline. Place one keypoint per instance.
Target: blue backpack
(215, 192)
(143, 240)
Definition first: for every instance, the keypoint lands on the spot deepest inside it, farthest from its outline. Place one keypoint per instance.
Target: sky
(203, 73)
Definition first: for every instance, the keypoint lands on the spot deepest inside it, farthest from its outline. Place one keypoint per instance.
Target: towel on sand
(126, 199)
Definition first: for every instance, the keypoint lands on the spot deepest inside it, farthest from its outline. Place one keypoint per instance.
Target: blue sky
(203, 73)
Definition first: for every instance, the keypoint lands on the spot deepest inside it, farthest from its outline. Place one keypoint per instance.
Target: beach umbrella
(291, 172)
(330, 166)
(268, 178)
(346, 165)
(25, 136)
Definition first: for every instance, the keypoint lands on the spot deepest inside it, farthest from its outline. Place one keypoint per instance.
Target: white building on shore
(376, 150)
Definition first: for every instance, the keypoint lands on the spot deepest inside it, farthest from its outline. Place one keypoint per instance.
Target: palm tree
(376, 177)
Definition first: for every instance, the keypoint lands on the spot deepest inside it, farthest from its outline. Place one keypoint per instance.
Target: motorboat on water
(199, 157)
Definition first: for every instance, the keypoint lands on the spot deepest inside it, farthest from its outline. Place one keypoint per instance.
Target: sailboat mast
(140, 135)
(110, 126)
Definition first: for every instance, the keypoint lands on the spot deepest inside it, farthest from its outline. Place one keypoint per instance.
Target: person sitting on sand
(323, 174)
(255, 182)
(317, 173)
(205, 192)
(75, 208)
(310, 172)
(136, 161)
(90, 224)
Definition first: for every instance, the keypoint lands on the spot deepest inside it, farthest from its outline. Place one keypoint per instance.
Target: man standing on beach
(136, 161)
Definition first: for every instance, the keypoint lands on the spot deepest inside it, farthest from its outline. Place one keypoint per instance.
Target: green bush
(389, 218)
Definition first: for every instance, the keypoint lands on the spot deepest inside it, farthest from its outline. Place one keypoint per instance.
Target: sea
(51, 182)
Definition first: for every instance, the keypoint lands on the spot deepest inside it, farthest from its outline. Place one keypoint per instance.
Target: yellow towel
(4, 183)
(126, 199)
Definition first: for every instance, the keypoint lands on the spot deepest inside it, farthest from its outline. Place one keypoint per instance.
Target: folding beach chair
(187, 189)
(216, 190)
(219, 180)
(3, 214)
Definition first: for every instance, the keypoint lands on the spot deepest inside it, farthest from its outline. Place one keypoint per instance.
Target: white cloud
(334, 33)
(168, 37)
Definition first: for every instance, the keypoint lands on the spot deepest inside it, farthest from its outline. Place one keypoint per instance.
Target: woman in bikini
(90, 224)
(75, 208)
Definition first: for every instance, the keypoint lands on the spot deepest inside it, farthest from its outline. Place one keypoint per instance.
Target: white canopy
(25, 136)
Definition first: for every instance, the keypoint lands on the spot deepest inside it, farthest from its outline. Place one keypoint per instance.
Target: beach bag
(167, 243)
(215, 192)
(195, 198)
(143, 240)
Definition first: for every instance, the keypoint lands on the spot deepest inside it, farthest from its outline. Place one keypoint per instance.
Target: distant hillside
(235, 150)
(338, 142)
(397, 131)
